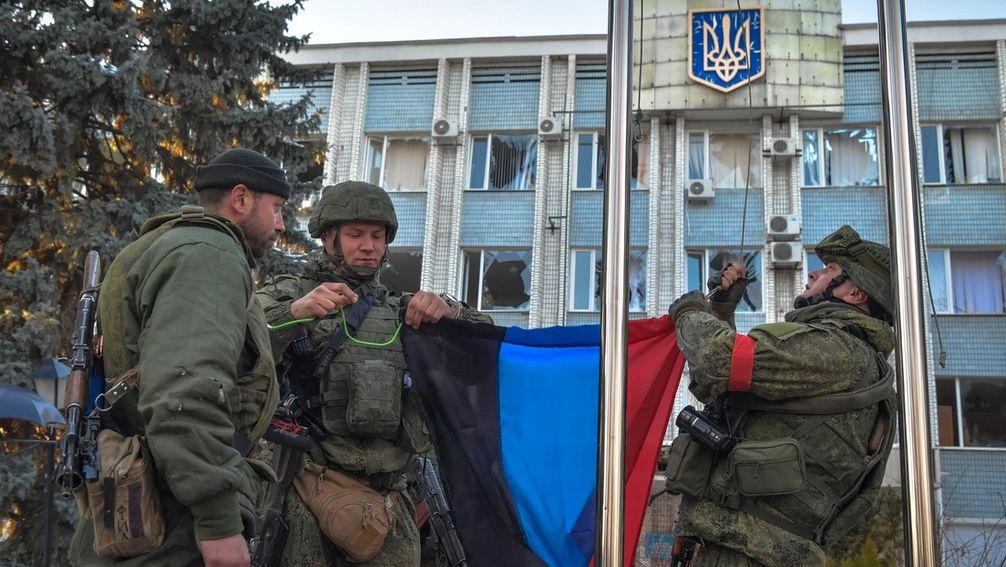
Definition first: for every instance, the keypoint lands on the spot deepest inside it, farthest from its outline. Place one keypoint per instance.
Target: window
(960, 154)
(590, 154)
(504, 162)
(967, 281)
(971, 412)
(402, 269)
(845, 157)
(586, 280)
(397, 164)
(724, 159)
(497, 280)
(814, 263)
(702, 264)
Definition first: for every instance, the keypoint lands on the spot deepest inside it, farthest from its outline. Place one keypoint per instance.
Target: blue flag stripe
(548, 430)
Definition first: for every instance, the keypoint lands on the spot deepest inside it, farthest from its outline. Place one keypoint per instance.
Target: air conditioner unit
(444, 130)
(550, 127)
(782, 147)
(782, 227)
(700, 189)
(786, 254)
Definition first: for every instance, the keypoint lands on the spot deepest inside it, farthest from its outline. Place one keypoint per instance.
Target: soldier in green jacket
(810, 415)
(178, 306)
(368, 437)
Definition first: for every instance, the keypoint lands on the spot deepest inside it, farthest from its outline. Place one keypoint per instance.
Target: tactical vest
(362, 396)
(818, 512)
(255, 392)
(768, 478)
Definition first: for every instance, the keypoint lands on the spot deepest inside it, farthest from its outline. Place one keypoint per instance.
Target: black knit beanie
(243, 167)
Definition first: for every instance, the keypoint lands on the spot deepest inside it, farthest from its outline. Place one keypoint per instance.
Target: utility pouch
(352, 515)
(124, 505)
(689, 466)
(768, 468)
(375, 399)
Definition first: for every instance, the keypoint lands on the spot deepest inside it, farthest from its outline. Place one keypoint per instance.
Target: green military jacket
(823, 349)
(343, 445)
(178, 305)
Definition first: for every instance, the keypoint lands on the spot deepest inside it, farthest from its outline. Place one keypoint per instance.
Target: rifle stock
(425, 486)
(290, 443)
(78, 451)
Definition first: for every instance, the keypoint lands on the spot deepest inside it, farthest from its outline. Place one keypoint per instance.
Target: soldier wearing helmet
(345, 365)
(807, 407)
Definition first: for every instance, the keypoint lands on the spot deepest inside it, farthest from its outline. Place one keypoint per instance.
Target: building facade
(493, 152)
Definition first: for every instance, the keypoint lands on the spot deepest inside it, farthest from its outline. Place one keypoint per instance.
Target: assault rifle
(290, 443)
(425, 488)
(80, 441)
(683, 552)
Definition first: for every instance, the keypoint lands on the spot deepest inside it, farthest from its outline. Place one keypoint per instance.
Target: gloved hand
(731, 282)
(691, 301)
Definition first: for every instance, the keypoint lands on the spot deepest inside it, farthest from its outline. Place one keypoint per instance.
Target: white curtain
(811, 159)
(974, 155)
(730, 155)
(696, 155)
(852, 158)
(977, 281)
(405, 166)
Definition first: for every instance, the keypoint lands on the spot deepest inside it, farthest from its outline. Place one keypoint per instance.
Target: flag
(514, 413)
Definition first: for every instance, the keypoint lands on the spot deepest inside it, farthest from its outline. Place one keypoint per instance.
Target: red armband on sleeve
(741, 364)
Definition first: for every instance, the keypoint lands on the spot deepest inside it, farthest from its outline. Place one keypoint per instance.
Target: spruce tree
(106, 108)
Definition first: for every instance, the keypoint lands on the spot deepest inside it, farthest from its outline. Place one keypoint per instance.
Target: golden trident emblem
(727, 59)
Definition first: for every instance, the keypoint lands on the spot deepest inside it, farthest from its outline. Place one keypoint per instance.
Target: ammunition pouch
(352, 515)
(123, 502)
(374, 408)
(689, 466)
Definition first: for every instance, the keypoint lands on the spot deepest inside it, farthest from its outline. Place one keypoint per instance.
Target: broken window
(586, 281)
(503, 162)
(397, 164)
(401, 270)
(497, 280)
(590, 156)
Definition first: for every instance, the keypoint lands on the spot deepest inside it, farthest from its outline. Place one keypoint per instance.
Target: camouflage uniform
(203, 377)
(378, 460)
(824, 348)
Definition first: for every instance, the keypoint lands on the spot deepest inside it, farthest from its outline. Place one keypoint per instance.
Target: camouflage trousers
(306, 546)
(713, 555)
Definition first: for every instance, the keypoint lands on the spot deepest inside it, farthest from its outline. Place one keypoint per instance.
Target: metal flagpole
(614, 310)
(904, 224)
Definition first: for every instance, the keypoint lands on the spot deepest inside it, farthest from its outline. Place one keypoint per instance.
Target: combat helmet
(353, 201)
(868, 263)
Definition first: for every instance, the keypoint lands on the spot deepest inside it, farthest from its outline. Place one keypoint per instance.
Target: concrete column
(332, 153)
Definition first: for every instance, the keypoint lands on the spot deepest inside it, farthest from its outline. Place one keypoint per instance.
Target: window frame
(487, 158)
(595, 257)
(958, 411)
(708, 254)
(821, 131)
(948, 275)
(463, 279)
(408, 250)
(705, 155)
(758, 181)
(386, 140)
(640, 185)
(941, 140)
(595, 136)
